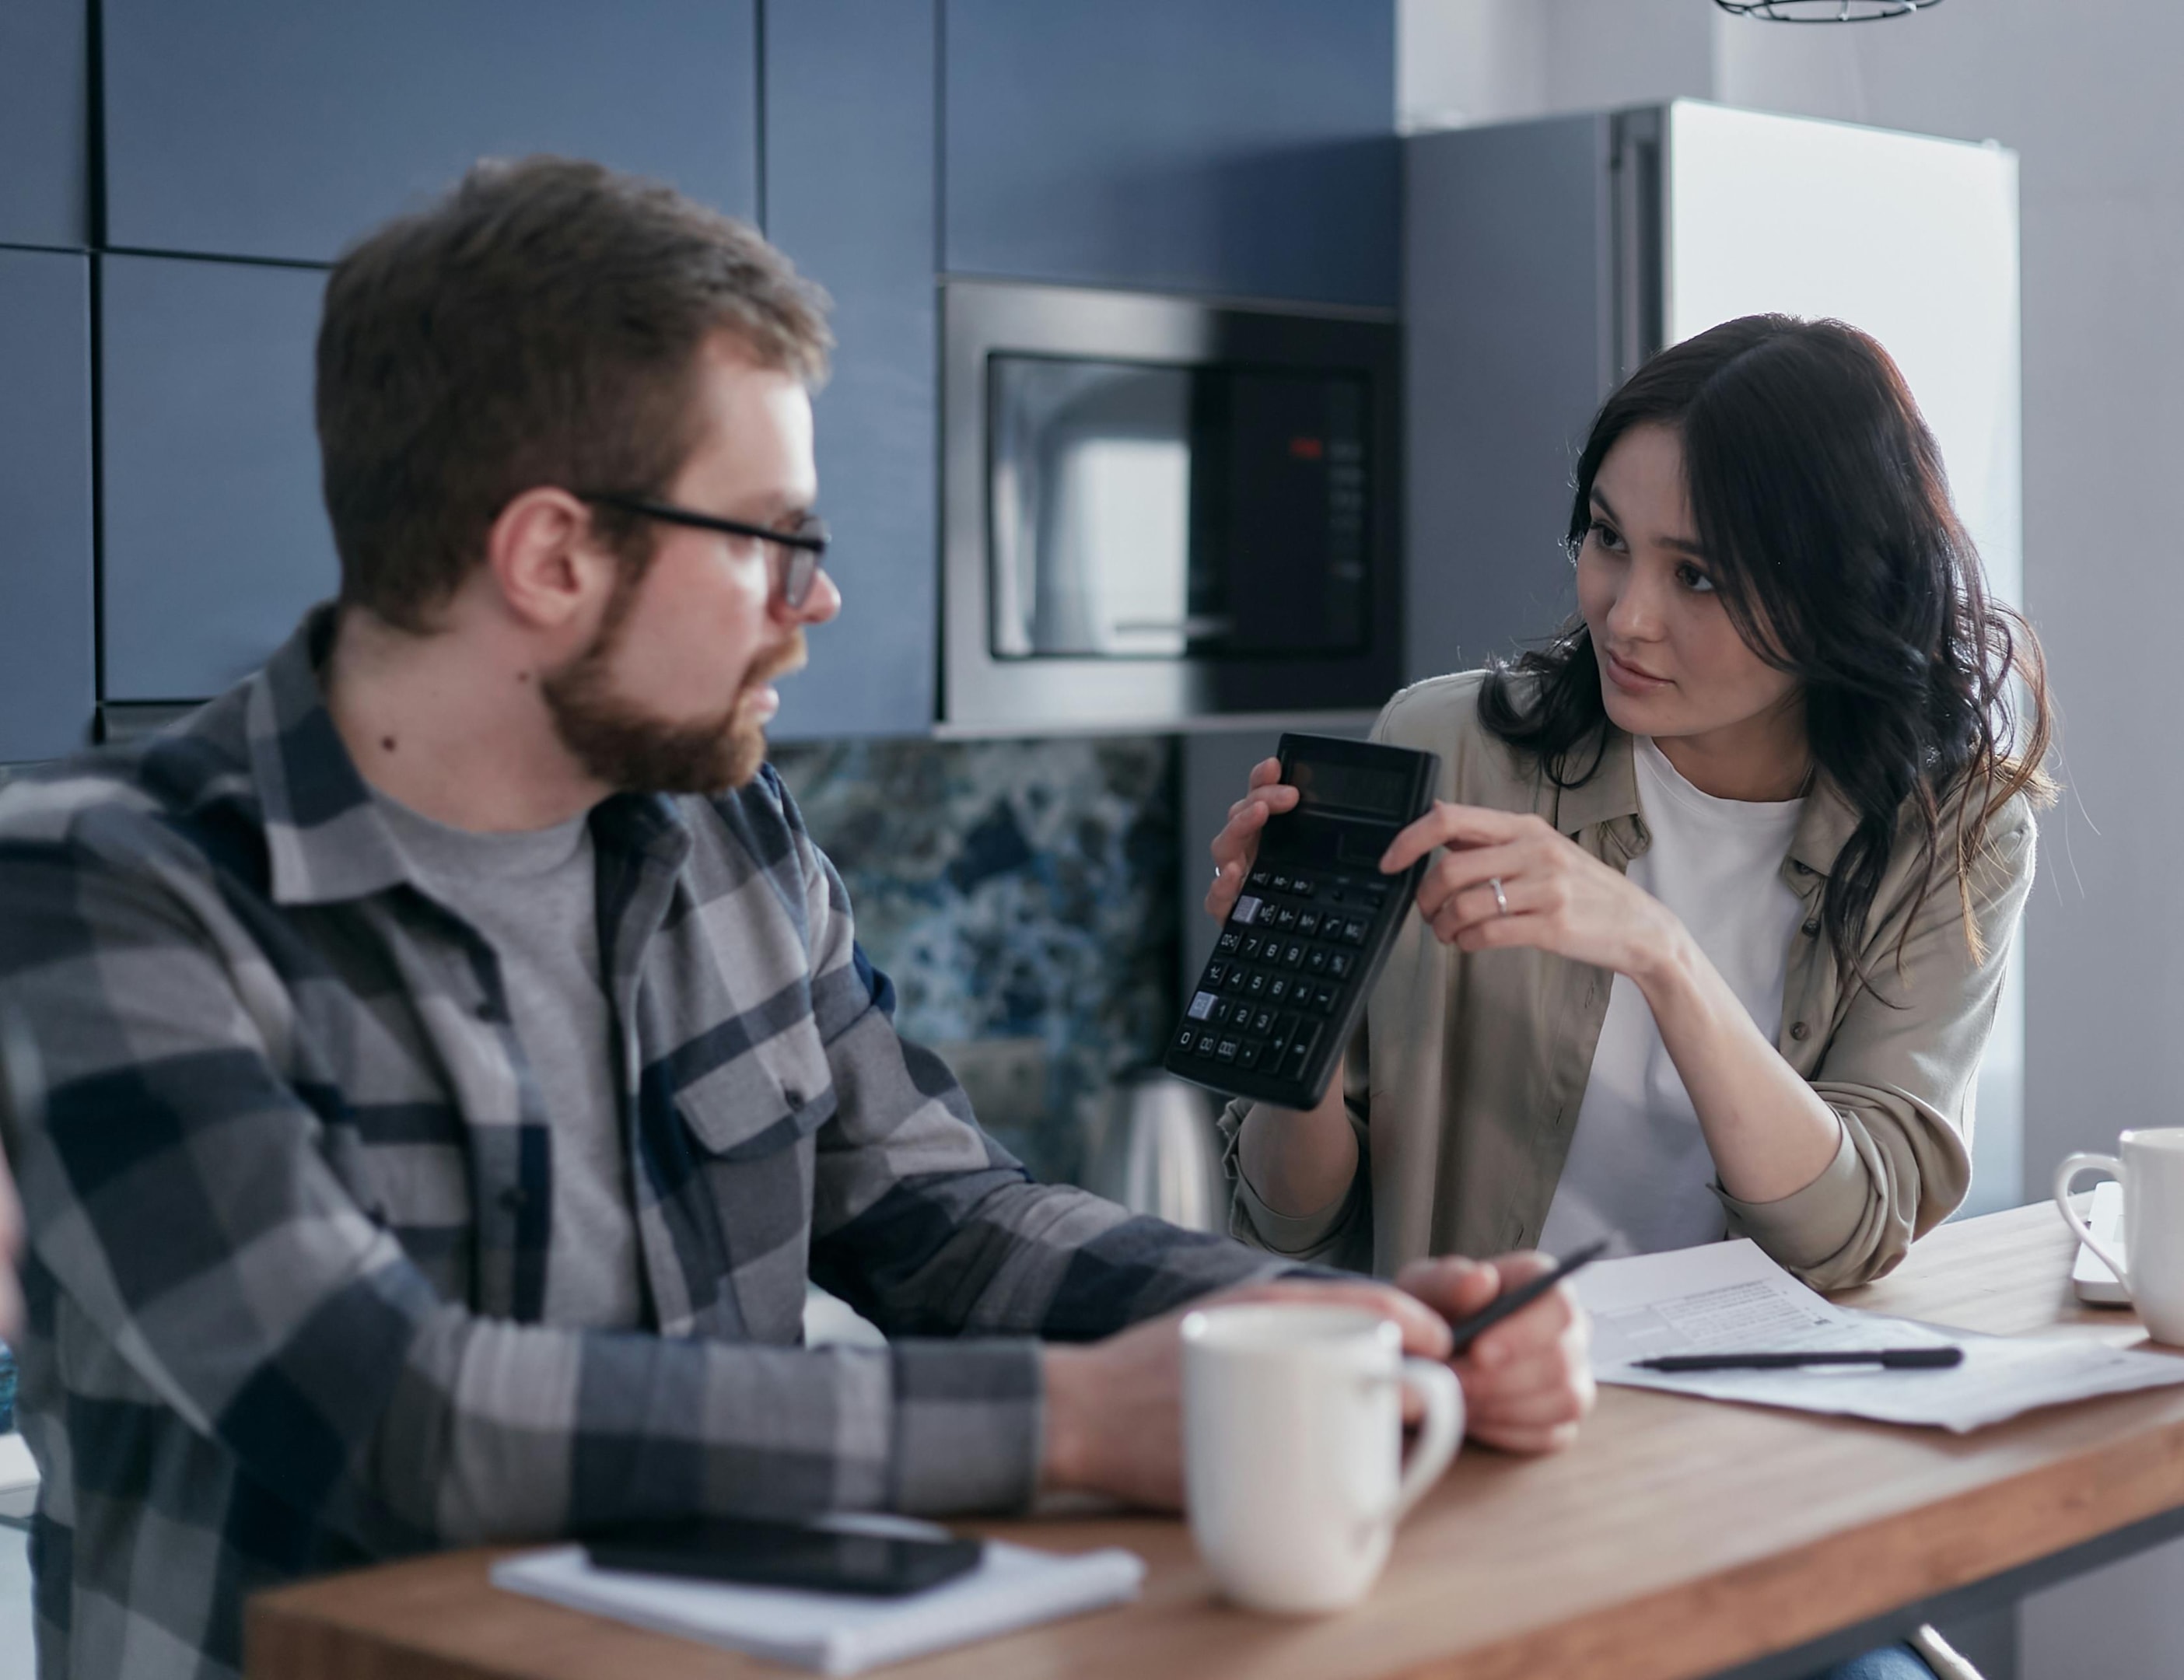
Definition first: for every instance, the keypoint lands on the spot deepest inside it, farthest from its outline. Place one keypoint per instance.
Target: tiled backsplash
(1013, 889)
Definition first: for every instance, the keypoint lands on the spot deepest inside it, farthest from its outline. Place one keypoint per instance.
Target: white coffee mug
(1293, 1448)
(2152, 1266)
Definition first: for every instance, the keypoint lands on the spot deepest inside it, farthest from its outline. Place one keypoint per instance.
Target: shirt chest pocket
(743, 1100)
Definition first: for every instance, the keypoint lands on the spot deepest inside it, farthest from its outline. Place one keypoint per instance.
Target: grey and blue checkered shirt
(289, 1200)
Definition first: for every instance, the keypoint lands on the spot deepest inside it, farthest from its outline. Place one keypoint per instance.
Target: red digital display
(1308, 449)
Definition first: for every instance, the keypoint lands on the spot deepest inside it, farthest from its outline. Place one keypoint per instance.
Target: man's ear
(542, 554)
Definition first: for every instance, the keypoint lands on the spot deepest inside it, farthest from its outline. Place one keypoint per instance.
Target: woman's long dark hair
(1825, 515)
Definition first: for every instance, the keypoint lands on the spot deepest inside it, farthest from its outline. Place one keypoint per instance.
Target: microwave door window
(1091, 488)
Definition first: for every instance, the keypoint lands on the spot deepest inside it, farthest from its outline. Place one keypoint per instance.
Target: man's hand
(11, 1240)
(1114, 1409)
(1527, 1382)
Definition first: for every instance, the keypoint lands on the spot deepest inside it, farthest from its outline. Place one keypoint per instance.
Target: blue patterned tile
(1012, 888)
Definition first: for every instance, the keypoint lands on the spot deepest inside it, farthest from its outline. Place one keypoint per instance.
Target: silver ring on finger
(1500, 899)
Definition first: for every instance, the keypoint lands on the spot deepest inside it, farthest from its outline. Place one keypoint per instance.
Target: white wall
(2085, 91)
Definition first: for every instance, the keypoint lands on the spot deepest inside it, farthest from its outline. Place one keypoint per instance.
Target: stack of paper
(1729, 1298)
(837, 1633)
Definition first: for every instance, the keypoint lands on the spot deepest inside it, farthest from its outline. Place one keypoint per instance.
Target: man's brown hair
(539, 325)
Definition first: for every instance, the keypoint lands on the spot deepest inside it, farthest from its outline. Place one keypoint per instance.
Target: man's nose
(821, 601)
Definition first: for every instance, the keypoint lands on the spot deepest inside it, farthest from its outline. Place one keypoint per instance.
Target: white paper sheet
(1729, 1297)
(1012, 1587)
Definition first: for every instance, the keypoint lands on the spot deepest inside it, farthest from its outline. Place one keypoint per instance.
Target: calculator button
(1286, 918)
(1279, 989)
(1303, 885)
(1323, 1000)
(1260, 877)
(1251, 947)
(1293, 957)
(1216, 972)
(1316, 960)
(1281, 883)
(1206, 1041)
(1202, 1006)
(1226, 1051)
(1284, 1030)
(1374, 891)
(1300, 1049)
(1228, 943)
(1339, 964)
(1237, 974)
(1248, 1057)
(1246, 912)
(1263, 1022)
(1255, 987)
(1307, 921)
(1187, 1038)
(1353, 933)
(1225, 1011)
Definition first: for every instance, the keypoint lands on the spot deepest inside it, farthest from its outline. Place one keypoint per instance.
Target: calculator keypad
(1278, 970)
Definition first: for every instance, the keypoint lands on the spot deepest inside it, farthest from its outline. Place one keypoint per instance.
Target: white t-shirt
(1639, 1171)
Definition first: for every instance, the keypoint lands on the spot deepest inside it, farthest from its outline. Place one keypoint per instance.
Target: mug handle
(2070, 1168)
(1435, 1384)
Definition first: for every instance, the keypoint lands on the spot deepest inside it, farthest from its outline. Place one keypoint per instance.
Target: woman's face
(1671, 663)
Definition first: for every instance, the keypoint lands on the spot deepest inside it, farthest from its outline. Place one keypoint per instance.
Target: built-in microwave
(1158, 509)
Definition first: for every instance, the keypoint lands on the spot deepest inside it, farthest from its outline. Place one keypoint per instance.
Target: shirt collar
(324, 835)
(1611, 791)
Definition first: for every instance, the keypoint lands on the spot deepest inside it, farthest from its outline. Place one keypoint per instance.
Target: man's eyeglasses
(797, 553)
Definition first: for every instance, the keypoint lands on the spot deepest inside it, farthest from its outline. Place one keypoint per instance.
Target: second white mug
(1293, 1448)
(2152, 1265)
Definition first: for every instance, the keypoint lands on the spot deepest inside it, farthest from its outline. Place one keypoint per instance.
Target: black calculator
(1290, 974)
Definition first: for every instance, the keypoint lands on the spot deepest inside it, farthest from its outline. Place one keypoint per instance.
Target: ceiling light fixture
(1825, 11)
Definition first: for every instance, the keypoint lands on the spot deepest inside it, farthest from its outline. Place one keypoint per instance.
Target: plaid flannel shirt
(288, 1202)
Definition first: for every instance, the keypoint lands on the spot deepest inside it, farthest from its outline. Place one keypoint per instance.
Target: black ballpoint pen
(1466, 1331)
(1888, 1359)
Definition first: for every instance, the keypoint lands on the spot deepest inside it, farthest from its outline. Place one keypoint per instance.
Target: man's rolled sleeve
(968, 1419)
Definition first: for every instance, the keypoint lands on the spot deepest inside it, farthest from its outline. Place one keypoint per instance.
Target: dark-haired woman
(1728, 874)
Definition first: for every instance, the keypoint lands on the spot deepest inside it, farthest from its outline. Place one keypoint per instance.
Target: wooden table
(1680, 1538)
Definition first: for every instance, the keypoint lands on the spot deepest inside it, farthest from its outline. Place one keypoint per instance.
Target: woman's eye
(1694, 580)
(1607, 536)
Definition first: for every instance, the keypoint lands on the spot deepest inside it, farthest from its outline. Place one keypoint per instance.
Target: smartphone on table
(817, 1560)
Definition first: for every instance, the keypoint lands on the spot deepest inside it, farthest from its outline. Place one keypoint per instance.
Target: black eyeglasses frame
(804, 550)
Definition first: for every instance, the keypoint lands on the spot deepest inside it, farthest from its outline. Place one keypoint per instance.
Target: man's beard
(621, 744)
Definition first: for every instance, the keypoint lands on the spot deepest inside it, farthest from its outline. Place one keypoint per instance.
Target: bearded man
(459, 1056)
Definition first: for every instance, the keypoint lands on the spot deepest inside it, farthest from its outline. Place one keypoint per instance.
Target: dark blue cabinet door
(215, 539)
(266, 128)
(45, 128)
(1243, 146)
(850, 196)
(47, 657)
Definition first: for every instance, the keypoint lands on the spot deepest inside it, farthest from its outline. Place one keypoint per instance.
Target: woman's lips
(1631, 680)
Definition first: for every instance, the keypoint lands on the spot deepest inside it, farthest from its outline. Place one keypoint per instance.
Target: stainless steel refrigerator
(1543, 260)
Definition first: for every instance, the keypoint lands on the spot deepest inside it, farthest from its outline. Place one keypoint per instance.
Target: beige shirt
(1465, 1080)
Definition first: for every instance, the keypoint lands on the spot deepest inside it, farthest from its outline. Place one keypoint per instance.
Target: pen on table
(1466, 1331)
(1888, 1359)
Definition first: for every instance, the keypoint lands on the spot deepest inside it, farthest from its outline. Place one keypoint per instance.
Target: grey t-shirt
(534, 898)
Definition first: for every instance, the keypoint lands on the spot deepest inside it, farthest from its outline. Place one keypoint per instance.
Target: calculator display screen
(1351, 787)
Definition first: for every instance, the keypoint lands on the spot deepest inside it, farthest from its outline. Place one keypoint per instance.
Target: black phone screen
(784, 1554)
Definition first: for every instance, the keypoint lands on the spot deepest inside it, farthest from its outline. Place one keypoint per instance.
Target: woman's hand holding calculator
(1237, 845)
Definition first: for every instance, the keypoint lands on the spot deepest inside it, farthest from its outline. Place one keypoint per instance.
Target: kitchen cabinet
(45, 128)
(47, 655)
(262, 128)
(214, 536)
(1236, 147)
(850, 121)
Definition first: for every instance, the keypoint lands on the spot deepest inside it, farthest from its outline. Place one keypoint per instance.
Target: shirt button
(1812, 927)
(1800, 1031)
